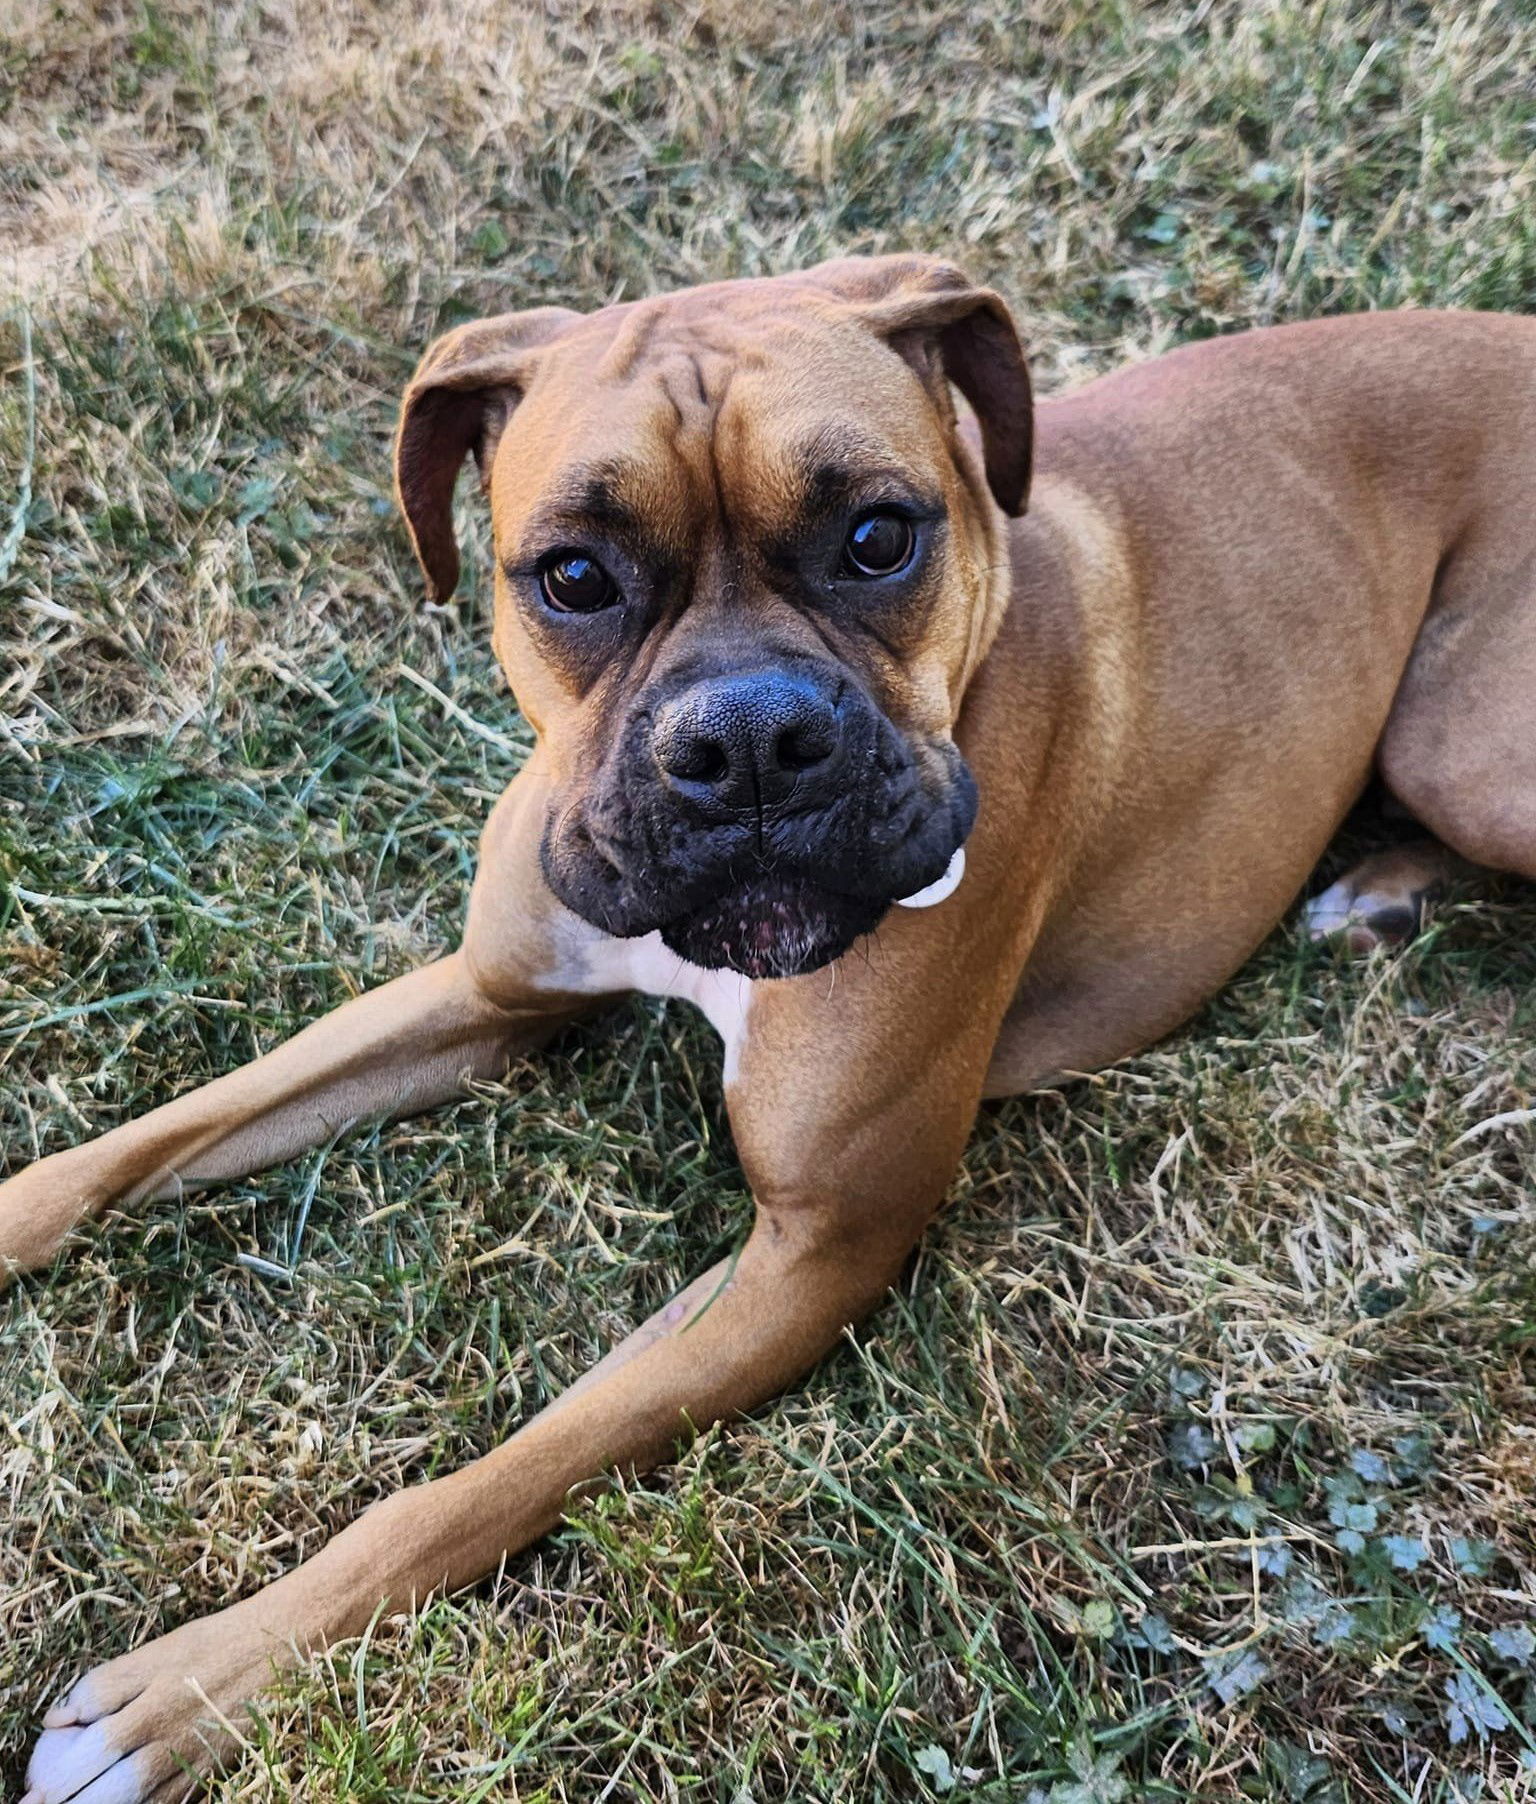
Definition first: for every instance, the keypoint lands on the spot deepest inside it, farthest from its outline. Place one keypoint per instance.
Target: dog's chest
(600, 965)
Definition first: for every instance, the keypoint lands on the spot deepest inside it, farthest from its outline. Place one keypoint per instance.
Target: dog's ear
(949, 330)
(458, 402)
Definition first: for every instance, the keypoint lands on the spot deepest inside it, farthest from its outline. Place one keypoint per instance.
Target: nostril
(710, 764)
(694, 757)
(747, 740)
(798, 749)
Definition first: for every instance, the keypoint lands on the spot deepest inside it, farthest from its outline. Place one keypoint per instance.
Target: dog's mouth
(772, 927)
(784, 926)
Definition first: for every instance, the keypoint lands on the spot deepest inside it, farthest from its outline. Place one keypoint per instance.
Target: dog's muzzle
(762, 821)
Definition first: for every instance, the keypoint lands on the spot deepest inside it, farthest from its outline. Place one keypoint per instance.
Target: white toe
(79, 1704)
(65, 1760)
(131, 1781)
(1328, 913)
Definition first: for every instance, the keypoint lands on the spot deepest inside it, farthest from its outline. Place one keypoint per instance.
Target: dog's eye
(878, 544)
(574, 583)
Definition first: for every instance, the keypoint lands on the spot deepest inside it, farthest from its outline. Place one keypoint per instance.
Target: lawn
(1195, 1455)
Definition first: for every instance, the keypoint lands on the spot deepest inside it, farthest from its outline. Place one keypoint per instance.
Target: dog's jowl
(1089, 686)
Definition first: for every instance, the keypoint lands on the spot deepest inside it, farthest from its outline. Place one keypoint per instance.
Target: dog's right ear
(458, 402)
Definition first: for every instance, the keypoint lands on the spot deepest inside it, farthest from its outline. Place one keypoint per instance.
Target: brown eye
(574, 583)
(878, 545)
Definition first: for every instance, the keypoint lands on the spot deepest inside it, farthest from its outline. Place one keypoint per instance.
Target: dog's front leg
(728, 1342)
(403, 1047)
(846, 1165)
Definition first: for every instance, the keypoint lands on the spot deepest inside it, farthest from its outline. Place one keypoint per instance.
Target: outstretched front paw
(146, 1726)
(39, 1207)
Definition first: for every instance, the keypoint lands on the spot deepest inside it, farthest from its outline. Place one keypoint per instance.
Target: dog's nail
(945, 886)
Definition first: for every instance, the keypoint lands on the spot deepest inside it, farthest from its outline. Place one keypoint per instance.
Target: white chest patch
(596, 964)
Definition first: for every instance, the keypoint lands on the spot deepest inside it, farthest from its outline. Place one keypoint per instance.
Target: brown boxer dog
(795, 655)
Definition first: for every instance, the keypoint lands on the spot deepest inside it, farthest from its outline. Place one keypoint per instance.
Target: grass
(1194, 1456)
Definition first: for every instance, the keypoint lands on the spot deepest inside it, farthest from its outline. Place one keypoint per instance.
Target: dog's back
(1284, 556)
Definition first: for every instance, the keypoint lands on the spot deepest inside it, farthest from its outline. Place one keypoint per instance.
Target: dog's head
(745, 568)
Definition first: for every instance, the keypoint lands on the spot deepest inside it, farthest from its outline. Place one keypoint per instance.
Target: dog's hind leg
(1460, 747)
(1459, 750)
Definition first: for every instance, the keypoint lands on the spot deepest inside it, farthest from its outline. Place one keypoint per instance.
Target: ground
(1194, 1456)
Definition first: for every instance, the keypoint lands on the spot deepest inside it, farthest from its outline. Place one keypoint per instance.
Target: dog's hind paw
(1381, 901)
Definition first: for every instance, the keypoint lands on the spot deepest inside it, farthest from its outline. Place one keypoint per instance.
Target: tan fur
(1249, 569)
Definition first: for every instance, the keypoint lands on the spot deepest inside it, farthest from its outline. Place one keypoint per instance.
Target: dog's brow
(836, 467)
(827, 487)
(612, 501)
(597, 493)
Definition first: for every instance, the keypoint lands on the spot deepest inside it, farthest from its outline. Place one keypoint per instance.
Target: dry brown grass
(1021, 1527)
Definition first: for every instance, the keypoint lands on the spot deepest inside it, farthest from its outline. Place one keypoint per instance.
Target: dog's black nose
(749, 742)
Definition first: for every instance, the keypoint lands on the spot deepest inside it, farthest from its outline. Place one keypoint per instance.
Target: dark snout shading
(760, 816)
(748, 743)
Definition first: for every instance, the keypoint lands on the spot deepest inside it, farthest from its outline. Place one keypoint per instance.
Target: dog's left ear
(950, 330)
(458, 402)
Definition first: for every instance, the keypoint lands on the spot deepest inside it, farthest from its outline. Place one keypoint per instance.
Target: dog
(796, 653)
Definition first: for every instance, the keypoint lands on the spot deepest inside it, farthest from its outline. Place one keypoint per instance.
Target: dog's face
(745, 569)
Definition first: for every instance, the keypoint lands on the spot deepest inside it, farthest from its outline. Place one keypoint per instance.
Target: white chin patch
(942, 889)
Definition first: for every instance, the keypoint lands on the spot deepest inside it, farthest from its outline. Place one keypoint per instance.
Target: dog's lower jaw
(788, 927)
(774, 927)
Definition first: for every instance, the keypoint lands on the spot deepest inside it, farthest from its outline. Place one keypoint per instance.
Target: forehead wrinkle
(644, 501)
(800, 481)
(632, 340)
(695, 382)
